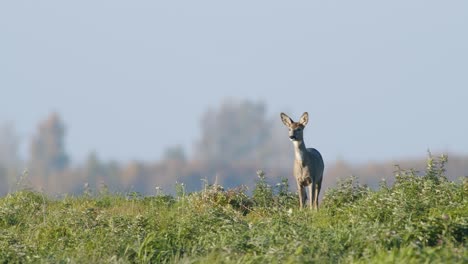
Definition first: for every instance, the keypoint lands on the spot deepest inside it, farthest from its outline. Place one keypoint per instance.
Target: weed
(420, 219)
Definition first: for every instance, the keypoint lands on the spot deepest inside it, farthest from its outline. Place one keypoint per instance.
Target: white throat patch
(297, 151)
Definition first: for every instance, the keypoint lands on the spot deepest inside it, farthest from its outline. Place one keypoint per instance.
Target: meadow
(421, 218)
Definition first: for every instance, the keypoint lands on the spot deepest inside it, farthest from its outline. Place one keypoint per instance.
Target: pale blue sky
(380, 80)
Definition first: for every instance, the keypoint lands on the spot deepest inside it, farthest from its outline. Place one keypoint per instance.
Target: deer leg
(319, 186)
(316, 197)
(313, 194)
(304, 196)
(299, 190)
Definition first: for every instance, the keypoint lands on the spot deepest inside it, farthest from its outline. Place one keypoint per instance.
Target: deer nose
(292, 137)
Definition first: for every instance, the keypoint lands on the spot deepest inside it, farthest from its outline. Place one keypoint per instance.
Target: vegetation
(420, 219)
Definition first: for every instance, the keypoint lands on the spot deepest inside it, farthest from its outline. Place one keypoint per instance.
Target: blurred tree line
(236, 139)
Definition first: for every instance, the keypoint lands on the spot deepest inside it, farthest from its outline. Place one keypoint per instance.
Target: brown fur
(308, 163)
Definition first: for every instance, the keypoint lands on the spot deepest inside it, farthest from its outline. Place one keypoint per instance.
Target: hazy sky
(380, 80)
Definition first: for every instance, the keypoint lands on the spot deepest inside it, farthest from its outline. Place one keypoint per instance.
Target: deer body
(308, 162)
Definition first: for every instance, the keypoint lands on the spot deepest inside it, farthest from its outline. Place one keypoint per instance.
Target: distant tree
(132, 173)
(110, 175)
(175, 153)
(234, 132)
(277, 150)
(93, 170)
(9, 142)
(47, 149)
(4, 180)
(9, 160)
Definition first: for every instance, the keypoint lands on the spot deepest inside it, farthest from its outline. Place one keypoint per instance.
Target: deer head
(296, 129)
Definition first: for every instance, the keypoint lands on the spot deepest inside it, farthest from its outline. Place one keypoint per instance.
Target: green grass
(420, 219)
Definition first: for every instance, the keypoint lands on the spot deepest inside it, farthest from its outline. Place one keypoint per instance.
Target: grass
(420, 219)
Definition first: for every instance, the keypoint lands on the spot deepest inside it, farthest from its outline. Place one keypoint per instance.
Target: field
(419, 219)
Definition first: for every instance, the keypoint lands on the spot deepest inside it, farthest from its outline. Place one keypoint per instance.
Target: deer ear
(304, 119)
(287, 121)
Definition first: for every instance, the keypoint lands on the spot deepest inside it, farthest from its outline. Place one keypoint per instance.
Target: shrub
(420, 219)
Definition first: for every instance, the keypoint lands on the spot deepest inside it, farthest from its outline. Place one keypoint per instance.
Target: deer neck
(300, 150)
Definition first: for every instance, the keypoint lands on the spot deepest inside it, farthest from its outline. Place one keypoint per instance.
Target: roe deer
(308, 163)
